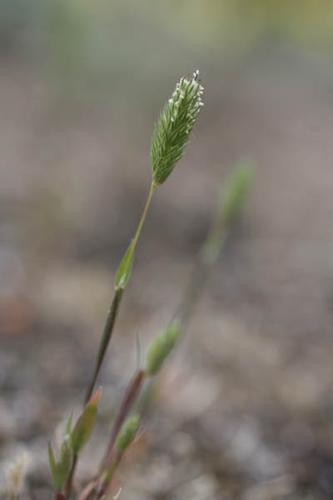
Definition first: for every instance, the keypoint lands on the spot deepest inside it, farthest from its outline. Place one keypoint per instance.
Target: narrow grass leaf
(125, 268)
(54, 468)
(86, 423)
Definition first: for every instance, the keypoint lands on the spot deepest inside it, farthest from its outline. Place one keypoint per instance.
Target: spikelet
(161, 347)
(127, 433)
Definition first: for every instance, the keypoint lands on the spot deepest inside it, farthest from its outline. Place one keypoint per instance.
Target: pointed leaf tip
(86, 422)
(96, 397)
(124, 271)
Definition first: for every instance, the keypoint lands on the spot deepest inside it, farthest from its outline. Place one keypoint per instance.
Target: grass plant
(170, 137)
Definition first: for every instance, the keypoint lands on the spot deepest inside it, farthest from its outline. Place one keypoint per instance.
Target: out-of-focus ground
(244, 409)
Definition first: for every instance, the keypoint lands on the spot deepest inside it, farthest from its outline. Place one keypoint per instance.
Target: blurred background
(244, 410)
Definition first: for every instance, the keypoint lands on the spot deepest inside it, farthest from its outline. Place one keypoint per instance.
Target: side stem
(129, 398)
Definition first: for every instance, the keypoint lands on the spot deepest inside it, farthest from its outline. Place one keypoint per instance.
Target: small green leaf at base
(86, 422)
(54, 468)
(60, 469)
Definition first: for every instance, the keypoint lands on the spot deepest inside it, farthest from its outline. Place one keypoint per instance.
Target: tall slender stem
(105, 340)
(115, 305)
(109, 328)
(138, 231)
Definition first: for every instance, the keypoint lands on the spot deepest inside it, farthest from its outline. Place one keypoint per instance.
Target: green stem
(109, 326)
(105, 340)
(138, 231)
(115, 305)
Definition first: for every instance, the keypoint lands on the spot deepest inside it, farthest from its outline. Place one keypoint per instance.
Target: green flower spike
(174, 126)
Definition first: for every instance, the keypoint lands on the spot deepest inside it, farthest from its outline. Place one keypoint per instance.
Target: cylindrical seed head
(174, 126)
